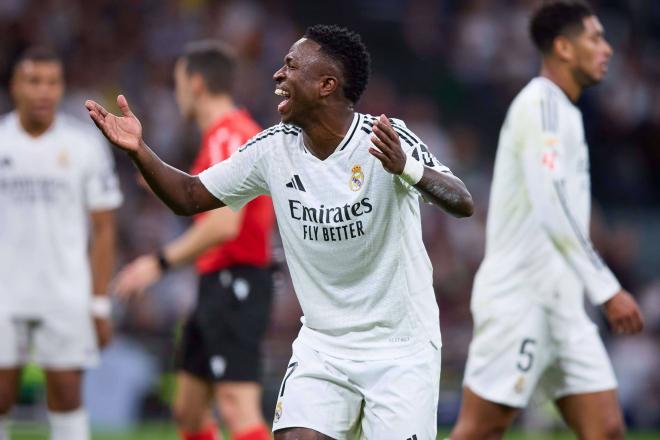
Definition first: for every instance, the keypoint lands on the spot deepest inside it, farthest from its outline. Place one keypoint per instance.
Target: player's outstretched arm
(182, 193)
(442, 189)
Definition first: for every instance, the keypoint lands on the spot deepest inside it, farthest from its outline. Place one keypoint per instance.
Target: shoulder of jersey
(5, 120)
(408, 138)
(269, 135)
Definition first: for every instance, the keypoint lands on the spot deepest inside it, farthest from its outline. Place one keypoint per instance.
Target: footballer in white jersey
(530, 327)
(345, 188)
(58, 190)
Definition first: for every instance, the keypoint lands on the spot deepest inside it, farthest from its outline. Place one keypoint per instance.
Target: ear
(563, 48)
(329, 84)
(197, 84)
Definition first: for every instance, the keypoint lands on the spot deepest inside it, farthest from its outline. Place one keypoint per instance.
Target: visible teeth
(280, 92)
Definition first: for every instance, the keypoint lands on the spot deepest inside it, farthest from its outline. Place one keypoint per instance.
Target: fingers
(636, 322)
(123, 106)
(97, 118)
(629, 323)
(384, 130)
(124, 284)
(93, 106)
(378, 154)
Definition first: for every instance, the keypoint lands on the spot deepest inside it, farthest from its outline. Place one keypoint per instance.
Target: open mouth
(281, 107)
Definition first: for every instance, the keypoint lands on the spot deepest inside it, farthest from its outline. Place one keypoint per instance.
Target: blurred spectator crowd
(449, 68)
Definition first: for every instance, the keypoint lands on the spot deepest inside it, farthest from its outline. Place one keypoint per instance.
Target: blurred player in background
(58, 191)
(530, 326)
(220, 357)
(346, 189)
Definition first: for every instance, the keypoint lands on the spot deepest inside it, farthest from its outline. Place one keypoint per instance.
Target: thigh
(593, 415)
(66, 341)
(63, 389)
(401, 396)
(239, 404)
(300, 434)
(10, 379)
(508, 355)
(317, 394)
(582, 365)
(15, 343)
(481, 419)
(192, 357)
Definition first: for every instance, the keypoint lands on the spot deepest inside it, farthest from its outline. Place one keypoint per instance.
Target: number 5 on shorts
(292, 367)
(526, 355)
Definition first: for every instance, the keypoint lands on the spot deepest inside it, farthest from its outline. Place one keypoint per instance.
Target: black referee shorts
(221, 340)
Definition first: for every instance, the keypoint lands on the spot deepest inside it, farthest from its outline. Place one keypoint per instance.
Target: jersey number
(292, 367)
(526, 355)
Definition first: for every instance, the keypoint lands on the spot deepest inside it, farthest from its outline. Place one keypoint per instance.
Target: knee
(6, 402)
(186, 418)
(7, 399)
(63, 400)
(238, 411)
(612, 430)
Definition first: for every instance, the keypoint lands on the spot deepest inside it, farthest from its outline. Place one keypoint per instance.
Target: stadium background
(449, 68)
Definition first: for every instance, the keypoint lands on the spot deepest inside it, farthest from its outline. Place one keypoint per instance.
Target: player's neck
(32, 127)
(324, 134)
(563, 79)
(211, 108)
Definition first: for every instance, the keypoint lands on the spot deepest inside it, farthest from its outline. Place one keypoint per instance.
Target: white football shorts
(514, 353)
(393, 399)
(54, 341)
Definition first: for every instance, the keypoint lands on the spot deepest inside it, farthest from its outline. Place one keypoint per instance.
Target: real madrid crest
(278, 411)
(357, 178)
(63, 159)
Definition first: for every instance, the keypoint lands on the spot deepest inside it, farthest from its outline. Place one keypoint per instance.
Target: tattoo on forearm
(446, 191)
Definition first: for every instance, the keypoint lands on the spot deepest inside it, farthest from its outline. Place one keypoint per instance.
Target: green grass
(167, 432)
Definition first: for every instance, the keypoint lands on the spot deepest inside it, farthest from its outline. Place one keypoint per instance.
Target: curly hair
(554, 18)
(348, 49)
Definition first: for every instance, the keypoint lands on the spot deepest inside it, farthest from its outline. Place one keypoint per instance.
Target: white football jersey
(351, 233)
(48, 186)
(537, 235)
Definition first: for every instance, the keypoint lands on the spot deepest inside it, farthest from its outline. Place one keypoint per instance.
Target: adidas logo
(296, 183)
(414, 437)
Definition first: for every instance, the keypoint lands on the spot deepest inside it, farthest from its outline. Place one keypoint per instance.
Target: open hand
(134, 278)
(623, 313)
(389, 150)
(123, 131)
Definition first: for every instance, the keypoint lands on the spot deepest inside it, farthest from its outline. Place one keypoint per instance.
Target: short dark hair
(347, 48)
(214, 61)
(38, 54)
(557, 17)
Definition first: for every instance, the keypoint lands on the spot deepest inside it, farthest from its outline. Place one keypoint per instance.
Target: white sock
(4, 428)
(71, 425)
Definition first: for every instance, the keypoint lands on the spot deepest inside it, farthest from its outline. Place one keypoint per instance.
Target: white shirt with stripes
(352, 237)
(537, 237)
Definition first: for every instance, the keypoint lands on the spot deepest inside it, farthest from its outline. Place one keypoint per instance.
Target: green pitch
(167, 432)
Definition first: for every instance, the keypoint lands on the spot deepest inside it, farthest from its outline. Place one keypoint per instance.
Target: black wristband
(162, 261)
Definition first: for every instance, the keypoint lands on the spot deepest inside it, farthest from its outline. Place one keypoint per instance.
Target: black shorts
(221, 340)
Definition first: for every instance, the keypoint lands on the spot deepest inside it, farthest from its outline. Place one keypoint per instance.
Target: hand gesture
(103, 328)
(134, 278)
(623, 313)
(389, 150)
(123, 131)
